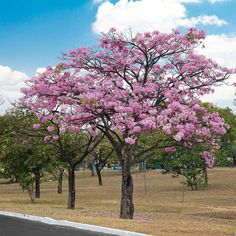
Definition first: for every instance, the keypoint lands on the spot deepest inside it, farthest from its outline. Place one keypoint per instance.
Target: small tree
(23, 158)
(57, 169)
(188, 163)
(101, 157)
(23, 163)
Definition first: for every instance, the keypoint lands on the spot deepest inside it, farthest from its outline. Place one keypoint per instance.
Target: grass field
(165, 209)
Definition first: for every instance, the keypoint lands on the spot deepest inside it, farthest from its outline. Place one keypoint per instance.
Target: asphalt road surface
(11, 226)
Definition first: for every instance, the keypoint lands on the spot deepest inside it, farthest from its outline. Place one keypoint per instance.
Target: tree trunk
(92, 170)
(37, 184)
(205, 177)
(31, 194)
(71, 185)
(29, 187)
(59, 182)
(126, 205)
(100, 183)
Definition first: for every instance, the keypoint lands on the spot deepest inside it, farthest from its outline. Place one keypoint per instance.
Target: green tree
(23, 158)
(189, 163)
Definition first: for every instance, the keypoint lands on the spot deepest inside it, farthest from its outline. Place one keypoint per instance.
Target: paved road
(11, 226)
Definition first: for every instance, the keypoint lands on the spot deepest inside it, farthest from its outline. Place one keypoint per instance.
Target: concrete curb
(94, 228)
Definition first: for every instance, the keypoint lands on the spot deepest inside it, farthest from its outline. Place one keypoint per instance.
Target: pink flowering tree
(131, 84)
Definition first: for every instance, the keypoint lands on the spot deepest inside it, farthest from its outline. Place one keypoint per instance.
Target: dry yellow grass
(161, 211)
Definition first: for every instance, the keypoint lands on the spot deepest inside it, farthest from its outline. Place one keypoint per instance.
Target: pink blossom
(136, 129)
(47, 138)
(50, 129)
(130, 140)
(36, 126)
(55, 137)
(167, 129)
(170, 149)
(209, 160)
(62, 129)
(179, 136)
(74, 129)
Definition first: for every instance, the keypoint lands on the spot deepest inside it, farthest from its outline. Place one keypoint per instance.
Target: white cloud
(204, 20)
(10, 83)
(222, 49)
(147, 15)
(41, 70)
(215, 1)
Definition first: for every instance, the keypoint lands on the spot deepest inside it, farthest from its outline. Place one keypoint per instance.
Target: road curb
(94, 228)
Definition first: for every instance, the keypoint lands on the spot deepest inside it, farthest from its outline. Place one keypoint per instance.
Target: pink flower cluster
(208, 157)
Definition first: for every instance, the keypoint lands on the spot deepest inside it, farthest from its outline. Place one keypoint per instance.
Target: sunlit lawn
(162, 210)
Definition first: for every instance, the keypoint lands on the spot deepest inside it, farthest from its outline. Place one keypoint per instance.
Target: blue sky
(225, 10)
(35, 32)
